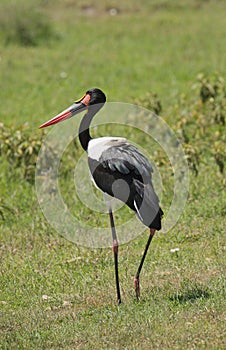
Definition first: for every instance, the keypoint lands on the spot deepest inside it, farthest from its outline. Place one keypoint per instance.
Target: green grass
(182, 293)
(55, 294)
(126, 55)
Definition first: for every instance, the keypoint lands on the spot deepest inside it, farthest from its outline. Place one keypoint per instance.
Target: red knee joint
(115, 246)
(152, 231)
(136, 282)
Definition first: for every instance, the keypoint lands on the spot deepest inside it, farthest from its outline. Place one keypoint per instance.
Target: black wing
(123, 172)
(126, 159)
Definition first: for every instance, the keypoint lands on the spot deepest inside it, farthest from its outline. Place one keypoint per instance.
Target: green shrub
(24, 24)
(202, 122)
(20, 147)
(200, 128)
(151, 102)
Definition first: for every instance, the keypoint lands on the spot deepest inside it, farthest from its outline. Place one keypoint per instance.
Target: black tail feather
(146, 204)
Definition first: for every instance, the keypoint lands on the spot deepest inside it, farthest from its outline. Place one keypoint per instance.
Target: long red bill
(67, 113)
(59, 118)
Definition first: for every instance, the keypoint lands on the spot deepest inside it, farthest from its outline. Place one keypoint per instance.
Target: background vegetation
(165, 55)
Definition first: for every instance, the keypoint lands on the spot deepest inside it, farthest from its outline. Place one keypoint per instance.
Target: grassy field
(55, 294)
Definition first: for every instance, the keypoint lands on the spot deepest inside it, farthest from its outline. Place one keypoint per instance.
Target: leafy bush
(24, 24)
(20, 148)
(200, 127)
(151, 102)
(202, 122)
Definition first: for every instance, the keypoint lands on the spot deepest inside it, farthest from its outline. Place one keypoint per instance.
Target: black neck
(84, 135)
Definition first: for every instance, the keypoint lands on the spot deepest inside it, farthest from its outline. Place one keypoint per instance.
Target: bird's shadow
(190, 295)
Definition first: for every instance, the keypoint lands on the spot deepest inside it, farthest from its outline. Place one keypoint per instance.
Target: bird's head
(92, 97)
(96, 96)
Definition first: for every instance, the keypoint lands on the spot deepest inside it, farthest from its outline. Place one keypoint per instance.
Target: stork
(118, 169)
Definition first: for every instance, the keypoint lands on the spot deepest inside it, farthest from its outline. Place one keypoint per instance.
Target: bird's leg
(115, 251)
(137, 276)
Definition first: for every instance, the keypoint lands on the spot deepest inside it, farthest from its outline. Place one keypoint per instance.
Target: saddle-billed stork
(119, 170)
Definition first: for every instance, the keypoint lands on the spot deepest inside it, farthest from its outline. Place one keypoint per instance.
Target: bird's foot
(137, 287)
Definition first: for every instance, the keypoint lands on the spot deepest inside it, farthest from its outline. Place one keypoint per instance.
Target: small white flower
(113, 12)
(45, 297)
(174, 250)
(63, 75)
